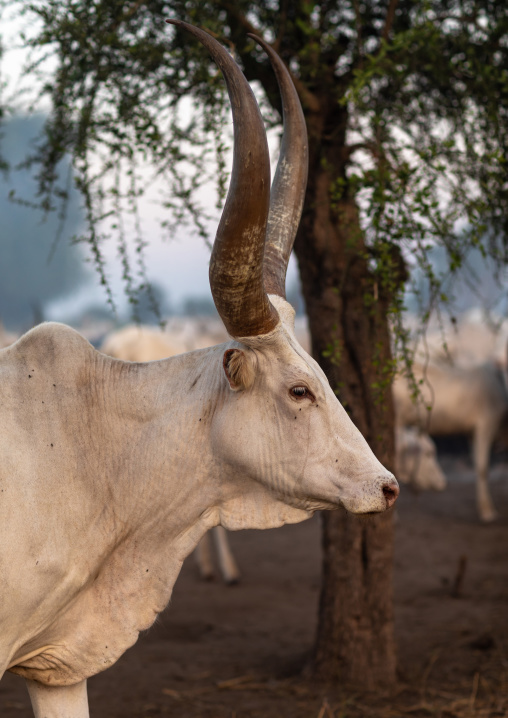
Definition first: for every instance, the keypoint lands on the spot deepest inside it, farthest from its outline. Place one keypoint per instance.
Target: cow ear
(238, 368)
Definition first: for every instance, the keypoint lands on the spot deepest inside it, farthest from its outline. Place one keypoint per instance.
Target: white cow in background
(181, 334)
(471, 401)
(112, 471)
(141, 344)
(416, 460)
(468, 342)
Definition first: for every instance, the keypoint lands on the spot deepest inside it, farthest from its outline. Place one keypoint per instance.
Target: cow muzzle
(371, 495)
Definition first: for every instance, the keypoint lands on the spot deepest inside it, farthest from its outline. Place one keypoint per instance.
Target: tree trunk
(350, 339)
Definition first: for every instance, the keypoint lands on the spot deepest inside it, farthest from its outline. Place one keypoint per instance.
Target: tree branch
(358, 17)
(309, 100)
(282, 26)
(233, 11)
(390, 14)
(128, 14)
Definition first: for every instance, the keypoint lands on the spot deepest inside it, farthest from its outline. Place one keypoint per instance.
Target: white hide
(113, 471)
(471, 401)
(416, 460)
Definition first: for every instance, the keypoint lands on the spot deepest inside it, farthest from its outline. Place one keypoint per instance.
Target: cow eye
(299, 392)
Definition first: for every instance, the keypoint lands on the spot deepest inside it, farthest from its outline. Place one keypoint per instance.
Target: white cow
(143, 343)
(140, 344)
(416, 461)
(467, 343)
(455, 400)
(112, 471)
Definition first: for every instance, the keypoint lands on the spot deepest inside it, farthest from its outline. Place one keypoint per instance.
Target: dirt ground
(237, 652)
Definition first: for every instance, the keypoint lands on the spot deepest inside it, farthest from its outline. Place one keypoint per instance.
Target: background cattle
(455, 400)
(416, 460)
(467, 342)
(146, 343)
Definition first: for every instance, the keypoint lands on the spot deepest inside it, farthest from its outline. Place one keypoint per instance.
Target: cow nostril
(390, 492)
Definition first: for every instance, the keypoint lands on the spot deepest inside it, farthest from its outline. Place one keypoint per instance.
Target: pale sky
(178, 265)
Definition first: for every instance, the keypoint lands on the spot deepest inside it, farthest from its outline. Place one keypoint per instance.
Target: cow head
(280, 423)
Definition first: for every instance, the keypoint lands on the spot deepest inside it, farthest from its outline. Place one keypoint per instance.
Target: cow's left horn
(290, 181)
(236, 267)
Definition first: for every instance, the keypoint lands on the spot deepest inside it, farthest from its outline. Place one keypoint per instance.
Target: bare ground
(220, 652)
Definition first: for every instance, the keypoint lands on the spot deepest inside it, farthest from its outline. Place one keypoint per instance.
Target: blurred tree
(151, 304)
(35, 266)
(405, 102)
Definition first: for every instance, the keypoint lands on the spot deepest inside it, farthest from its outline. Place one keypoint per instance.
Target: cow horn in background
(236, 266)
(290, 181)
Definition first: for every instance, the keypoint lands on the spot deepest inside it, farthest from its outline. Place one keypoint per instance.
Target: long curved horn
(236, 266)
(290, 181)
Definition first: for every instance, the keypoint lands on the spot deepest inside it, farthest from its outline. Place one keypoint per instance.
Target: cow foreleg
(58, 701)
(482, 444)
(227, 564)
(204, 558)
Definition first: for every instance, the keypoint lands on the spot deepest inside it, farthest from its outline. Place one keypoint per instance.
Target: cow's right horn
(236, 267)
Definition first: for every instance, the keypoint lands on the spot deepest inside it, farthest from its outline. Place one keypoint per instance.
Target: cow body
(96, 459)
(124, 467)
(124, 490)
(471, 401)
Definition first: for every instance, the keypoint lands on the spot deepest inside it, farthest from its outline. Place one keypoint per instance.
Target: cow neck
(159, 415)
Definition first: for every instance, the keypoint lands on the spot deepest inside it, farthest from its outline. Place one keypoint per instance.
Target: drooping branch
(390, 15)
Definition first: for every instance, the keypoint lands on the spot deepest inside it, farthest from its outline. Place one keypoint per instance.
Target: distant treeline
(38, 262)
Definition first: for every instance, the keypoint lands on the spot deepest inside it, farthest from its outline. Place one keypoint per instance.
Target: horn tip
(256, 38)
(172, 21)
(260, 41)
